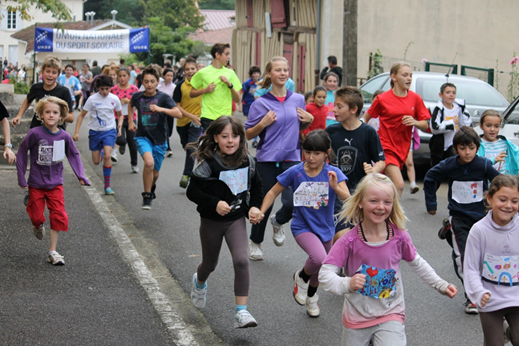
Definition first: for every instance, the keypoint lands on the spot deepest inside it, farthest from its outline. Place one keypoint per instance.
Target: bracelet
(230, 86)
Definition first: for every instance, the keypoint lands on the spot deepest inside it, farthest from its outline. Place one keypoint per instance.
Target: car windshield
(477, 94)
(513, 118)
(369, 88)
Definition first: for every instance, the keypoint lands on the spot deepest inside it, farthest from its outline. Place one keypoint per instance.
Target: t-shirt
(219, 102)
(37, 92)
(125, 94)
(330, 102)
(190, 104)
(71, 83)
(152, 125)
(319, 114)
(492, 149)
(83, 78)
(353, 148)
(167, 89)
(133, 75)
(248, 89)
(314, 200)
(102, 111)
(394, 135)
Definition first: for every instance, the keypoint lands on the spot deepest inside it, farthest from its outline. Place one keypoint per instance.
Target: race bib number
(58, 151)
(237, 180)
(312, 194)
(466, 192)
(501, 270)
(380, 283)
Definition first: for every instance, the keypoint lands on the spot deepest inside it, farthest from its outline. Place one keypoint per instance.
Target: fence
(485, 74)
(442, 68)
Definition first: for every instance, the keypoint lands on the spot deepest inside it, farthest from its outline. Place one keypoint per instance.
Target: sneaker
(243, 319)
(255, 251)
(279, 234)
(135, 169)
(470, 308)
(254, 144)
(414, 189)
(312, 309)
(55, 258)
(146, 201)
(122, 149)
(153, 188)
(39, 232)
(300, 289)
(109, 191)
(169, 153)
(114, 156)
(198, 295)
(26, 198)
(445, 231)
(184, 181)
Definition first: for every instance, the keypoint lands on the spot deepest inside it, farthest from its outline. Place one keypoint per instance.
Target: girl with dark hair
(226, 188)
(315, 184)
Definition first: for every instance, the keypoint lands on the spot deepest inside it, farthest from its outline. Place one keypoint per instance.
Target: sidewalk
(103, 295)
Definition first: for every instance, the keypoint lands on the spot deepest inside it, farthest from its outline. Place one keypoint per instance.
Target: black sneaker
(153, 196)
(445, 231)
(122, 149)
(26, 198)
(254, 143)
(146, 200)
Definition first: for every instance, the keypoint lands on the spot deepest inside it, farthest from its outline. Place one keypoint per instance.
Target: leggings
(127, 137)
(212, 234)
(492, 324)
(316, 250)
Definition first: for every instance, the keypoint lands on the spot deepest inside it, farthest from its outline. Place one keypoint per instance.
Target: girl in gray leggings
(226, 189)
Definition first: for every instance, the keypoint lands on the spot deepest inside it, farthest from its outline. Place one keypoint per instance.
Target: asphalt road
(171, 232)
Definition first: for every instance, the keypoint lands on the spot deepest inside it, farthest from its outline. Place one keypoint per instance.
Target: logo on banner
(139, 40)
(43, 40)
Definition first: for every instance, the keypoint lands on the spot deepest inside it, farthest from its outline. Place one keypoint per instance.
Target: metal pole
(34, 59)
(318, 43)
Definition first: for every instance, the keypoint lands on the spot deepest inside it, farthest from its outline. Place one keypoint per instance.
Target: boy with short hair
(103, 133)
(468, 176)
(217, 84)
(447, 117)
(188, 127)
(51, 69)
(70, 82)
(355, 144)
(153, 107)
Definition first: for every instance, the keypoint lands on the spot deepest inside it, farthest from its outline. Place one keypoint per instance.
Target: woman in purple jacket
(277, 118)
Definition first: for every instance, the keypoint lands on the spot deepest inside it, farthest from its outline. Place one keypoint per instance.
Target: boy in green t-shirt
(218, 85)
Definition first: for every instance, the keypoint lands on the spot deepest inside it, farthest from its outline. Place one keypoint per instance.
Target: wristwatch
(8, 145)
(230, 86)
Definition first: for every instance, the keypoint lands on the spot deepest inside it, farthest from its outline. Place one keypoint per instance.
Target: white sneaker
(414, 189)
(255, 252)
(300, 289)
(39, 232)
(135, 169)
(279, 234)
(243, 319)
(198, 295)
(55, 258)
(312, 309)
(114, 156)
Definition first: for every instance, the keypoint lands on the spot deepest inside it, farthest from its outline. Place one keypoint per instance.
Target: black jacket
(337, 70)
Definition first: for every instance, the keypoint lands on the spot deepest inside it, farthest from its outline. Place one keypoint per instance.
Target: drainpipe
(318, 43)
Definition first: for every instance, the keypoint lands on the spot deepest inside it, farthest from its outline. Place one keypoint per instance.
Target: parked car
(478, 95)
(510, 122)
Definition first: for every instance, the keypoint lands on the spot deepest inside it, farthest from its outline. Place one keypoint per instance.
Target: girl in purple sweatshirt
(48, 146)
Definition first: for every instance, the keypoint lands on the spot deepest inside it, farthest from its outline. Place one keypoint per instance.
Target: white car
(510, 122)
(478, 95)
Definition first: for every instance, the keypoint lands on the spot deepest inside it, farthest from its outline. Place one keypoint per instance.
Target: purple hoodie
(280, 141)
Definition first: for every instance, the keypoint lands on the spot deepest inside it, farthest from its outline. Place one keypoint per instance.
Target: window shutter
(277, 13)
(4, 19)
(19, 22)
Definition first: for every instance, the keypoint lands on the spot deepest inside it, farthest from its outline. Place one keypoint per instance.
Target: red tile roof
(213, 36)
(218, 19)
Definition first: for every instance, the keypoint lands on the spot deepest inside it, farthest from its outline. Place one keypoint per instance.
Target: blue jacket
(512, 156)
(466, 185)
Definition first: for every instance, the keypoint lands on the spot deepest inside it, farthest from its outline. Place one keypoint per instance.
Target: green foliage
(407, 49)
(19, 86)
(174, 14)
(130, 12)
(514, 78)
(56, 7)
(376, 64)
(216, 4)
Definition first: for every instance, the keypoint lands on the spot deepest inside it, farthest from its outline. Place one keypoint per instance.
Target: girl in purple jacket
(277, 118)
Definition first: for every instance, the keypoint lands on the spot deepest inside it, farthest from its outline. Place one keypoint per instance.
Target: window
(11, 20)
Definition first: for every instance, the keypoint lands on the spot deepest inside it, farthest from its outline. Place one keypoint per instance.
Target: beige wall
(479, 31)
(331, 30)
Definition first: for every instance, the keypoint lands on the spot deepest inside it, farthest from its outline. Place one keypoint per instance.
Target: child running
(124, 91)
(318, 109)
(491, 263)
(48, 145)
(153, 108)
(503, 154)
(370, 254)
(225, 186)
(315, 184)
(103, 133)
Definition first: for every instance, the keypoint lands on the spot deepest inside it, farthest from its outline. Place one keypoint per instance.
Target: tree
(58, 9)
(216, 4)
(130, 12)
(174, 14)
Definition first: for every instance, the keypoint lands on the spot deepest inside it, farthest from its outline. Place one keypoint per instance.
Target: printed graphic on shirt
(312, 194)
(466, 192)
(237, 180)
(347, 157)
(44, 153)
(380, 283)
(501, 270)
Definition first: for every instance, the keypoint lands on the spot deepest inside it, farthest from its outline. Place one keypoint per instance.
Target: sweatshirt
(491, 263)
(466, 185)
(280, 141)
(212, 181)
(440, 125)
(512, 155)
(45, 172)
